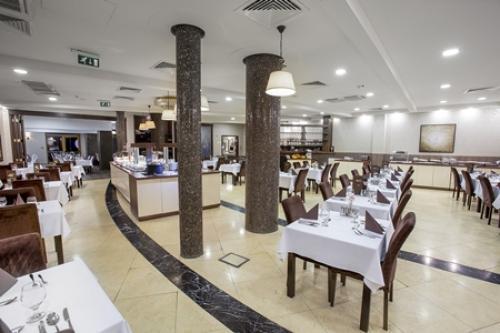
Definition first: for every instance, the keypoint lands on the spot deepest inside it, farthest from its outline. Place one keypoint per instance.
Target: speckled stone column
(262, 145)
(188, 48)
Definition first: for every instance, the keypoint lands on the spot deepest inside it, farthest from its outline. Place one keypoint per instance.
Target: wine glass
(323, 214)
(32, 296)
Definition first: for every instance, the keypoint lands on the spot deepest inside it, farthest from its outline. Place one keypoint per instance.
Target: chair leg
(342, 279)
(304, 265)
(490, 212)
(482, 212)
(391, 292)
(458, 193)
(332, 281)
(386, 309)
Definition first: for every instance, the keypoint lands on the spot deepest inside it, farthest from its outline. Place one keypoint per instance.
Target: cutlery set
(53, 319)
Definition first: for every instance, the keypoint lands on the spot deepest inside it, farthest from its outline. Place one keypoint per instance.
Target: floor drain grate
(234, 260)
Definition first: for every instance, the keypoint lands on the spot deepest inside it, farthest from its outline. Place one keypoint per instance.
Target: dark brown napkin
(389, 184)
(4, 328)
(6, 281)
(19, 200)
(341, 193)
(372, 225)
(393, 177)
(381, 198)
(396, 172)
(313, 213)
(400, 170)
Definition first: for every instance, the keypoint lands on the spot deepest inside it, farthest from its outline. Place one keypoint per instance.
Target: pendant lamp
(149, 123)
(280, 82)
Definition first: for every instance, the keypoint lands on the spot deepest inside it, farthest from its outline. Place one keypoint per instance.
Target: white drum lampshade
(142, 127)
(168, 115)
(280, 84)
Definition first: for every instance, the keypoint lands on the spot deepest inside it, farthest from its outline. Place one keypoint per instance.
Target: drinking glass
(3, 201)
(31, 199)
(32, 296)
(323, 215)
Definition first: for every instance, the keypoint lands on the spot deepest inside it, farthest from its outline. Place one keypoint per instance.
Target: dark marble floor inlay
(234, 260)
(229, 311)
(443, 265)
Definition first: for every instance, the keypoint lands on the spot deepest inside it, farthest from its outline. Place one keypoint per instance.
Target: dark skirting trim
(443, 265)
(229, 311)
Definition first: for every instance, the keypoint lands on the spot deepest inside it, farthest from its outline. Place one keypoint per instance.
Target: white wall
(477, 133)
(36, 144)
(228, 129)
(5, 136)
(63, 125)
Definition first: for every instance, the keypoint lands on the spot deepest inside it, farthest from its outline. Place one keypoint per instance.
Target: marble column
(262, 145)
(188, 54)
(121, 131)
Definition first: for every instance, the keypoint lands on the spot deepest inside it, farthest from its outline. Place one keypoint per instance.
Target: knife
(41, 327)
(66, 317)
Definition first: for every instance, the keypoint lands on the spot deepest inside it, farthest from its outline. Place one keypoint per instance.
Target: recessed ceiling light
(481, 98)
(284, 107)
(229, 98)
(233, 118)
(20, 71)
(385, 106)
(445, 86)
(340, 72)
(304, 115)
(321, 112)
(443, 102)
(53, 99)
(370, 94)
(319, 101)
(357, 109)
(450, 52)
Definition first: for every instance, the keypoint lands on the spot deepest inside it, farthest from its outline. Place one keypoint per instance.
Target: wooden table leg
(59, 249)
(479, 203)
(290, 278)
(364, 322)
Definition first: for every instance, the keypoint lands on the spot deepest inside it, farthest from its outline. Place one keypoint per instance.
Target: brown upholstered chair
(344, 180)
(488, 199)
(36, 184)
(405, 179)
(242, 172)
(294, 208)
(297, 165)
(11, 195)
(286, 166)
(405, 227)
(469, 189)
(53, 173)
(325, 175)
(457, 188)
(333, 173)
(305, 164)
(299, 186)
(22, 254)
(64, 167)
(407, 186)
(366, 169)
(326, 190)
(355, 173)
(18, 219)
(403, 201)
(39, 175)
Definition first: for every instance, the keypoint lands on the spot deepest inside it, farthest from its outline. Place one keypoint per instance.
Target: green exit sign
(87, 60)
(105, 104)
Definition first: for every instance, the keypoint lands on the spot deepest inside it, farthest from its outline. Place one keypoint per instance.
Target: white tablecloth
(78, 171)
(71, 285)
(56, 190)
(86, 163)
(23, 171)
(363, 204)
(67, 178)
(338, 246)
(52, 219)
(207, 163)
(315, 174)
(389, 193)
(233, 168)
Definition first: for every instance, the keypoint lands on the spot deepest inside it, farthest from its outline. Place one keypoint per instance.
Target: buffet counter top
(140, 175)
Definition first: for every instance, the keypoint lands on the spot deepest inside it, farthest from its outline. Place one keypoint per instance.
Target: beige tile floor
(426, 299)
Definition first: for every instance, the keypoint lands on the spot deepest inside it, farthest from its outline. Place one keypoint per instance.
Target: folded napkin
(19, 200)
(313, 213)
(372, 225)
(389, 184)
(4, 328)
(341, 193)
(396, 172)
(399, 169)
(393, 177)
(6, 281)
(381, 198)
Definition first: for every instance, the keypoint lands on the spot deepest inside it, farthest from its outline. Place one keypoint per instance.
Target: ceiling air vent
(130, 89)
(14, 13)
(164, 65)
(128, 98)
(350, 98)
(314, 83)
(19, 6)
(271, 13)
(475, 90)
(41, 88)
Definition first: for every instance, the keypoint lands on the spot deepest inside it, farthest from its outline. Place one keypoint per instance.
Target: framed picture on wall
(437, 138)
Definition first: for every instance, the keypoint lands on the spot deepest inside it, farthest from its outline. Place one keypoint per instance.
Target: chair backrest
(36, 184)
(38, 175)
(66, 166)
(18, 220)
(456, 177)
(488, 195)
(300, 181)
(344, 180)
(333, 172)
(305, 164)
(407, 186)
(53, 173)
(469, 188)
(398, 238)
(403, 201)
(355, 173)
(326, 173)
(326, 190)
(405, 179)
(22, 254)
(297, 165)
(11, 195)
(287, 166)
(294, 208)
(366, 169)
(4, 171)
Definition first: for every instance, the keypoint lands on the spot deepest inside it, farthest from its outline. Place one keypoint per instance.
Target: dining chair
(355, 173)
(64, 167)
(36, 184)
(333, 173)
(488, 199)
(326, 190)
(22, 254)
(403, 201)
(297, 165)
(4, 171)
(11, 195)
(344, 180)
(407, 186)
(298, 185)
(242, 172)
(325, 174)
(305, 164)
(53, 173)
(38, 175)
(286, 167)
(405, 179)
(457, 188)
(388, 266)
(469, 189)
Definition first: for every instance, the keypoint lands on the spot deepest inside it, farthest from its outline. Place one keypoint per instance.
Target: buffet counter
(153, 196)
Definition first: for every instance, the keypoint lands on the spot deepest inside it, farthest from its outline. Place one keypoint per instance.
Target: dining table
(56, 190)
(287, 181)
(494, 180)
(53, 223)
(209, 163)
(341, 243)
(230, 168)
(71, 286)
(363, 204)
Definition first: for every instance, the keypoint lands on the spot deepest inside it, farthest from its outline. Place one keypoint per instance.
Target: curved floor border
(229, 311)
